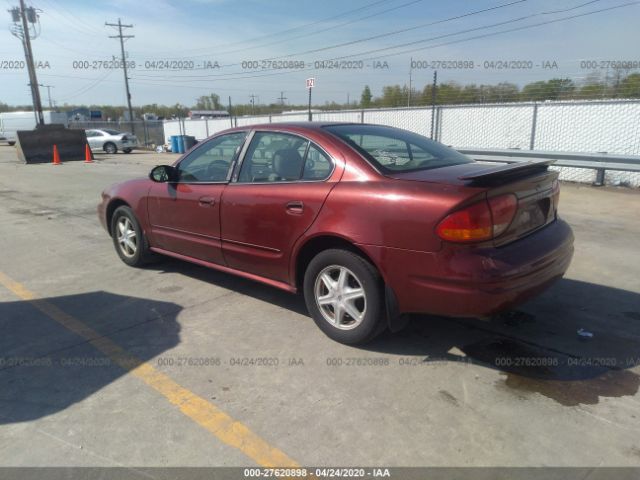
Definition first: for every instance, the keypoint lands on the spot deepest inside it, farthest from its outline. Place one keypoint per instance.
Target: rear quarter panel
(390, 213)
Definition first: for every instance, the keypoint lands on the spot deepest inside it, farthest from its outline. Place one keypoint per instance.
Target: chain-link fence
(149, 132)
(603, 126)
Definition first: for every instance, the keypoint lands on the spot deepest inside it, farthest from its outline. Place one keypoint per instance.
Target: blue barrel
(180, 144)
(174, 143)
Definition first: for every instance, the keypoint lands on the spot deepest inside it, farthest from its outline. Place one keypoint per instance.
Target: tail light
(479, 222)
(124, 138)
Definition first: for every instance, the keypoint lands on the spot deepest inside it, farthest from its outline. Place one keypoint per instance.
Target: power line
(476, 37)
(404, 30)
(445, 20)
(284, 32)
(513, 20)
(89, 87)
(69, 17)
(308, 34)
(240, 76)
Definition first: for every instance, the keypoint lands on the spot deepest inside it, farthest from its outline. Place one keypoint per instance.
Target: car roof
(293, 125)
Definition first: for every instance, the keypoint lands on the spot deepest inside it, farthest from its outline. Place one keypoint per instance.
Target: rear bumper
(474, 282)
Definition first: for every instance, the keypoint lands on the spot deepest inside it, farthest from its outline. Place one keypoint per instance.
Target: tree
(630, 86)
(554, 89)
(592, 87)
(365, 98)
(448, 92)
(561, 88)
(392, 96)
(410, 97)
(504, 92)
(208, 102)
(535, 91)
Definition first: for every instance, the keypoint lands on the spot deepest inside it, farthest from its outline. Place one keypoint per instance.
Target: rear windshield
(394, 150)
(112, 132)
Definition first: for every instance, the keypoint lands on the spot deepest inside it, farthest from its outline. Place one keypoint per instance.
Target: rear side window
(317, 165)
(394, 150)
(282, 157)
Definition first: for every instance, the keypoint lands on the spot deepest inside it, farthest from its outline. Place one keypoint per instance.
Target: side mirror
(163, 174)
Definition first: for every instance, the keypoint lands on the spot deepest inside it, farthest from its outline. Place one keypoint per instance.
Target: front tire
(128, 238)
(110, 148)
(345, 296)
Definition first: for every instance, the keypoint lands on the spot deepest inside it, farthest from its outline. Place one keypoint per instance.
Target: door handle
(295, 206)
(206, 201)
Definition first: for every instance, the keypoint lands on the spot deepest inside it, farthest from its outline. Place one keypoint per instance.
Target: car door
(185, 215)
(280, 188)
(94, 139)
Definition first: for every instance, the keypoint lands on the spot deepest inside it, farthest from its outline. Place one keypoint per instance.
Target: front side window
(212, 161)
(394, 150)
(282, 157)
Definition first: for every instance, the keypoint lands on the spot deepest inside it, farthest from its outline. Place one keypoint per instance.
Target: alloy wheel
(127, 238)
(340, 297)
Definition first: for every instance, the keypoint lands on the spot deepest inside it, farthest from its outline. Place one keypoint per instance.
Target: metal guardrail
(595, 161)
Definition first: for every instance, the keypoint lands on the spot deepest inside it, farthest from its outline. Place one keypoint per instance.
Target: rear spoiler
(503, 172)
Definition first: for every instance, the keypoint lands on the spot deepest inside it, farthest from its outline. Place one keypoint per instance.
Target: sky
(183, 49)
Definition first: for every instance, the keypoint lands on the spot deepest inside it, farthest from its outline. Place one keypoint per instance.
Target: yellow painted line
(201, 411)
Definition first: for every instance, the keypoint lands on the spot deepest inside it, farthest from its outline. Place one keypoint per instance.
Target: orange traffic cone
(88, 155)
(56, 155)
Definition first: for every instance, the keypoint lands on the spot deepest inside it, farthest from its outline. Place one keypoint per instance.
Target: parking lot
(177, 365)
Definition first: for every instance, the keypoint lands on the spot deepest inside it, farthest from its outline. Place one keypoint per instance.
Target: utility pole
(124, 62)
(311, 82)
(48, 87)
(433, 102)
(21, 17)
(230, 116)
(253, 102)
(282, 98)
(409, 92)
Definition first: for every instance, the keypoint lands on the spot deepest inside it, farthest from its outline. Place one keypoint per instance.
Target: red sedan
(370, 222)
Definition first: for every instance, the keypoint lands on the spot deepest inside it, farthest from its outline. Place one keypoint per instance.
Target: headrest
(287, 164)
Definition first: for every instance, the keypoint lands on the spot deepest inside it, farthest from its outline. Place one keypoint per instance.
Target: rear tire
(344, 294)
(127, 150)
(129, 240)
(110, 147)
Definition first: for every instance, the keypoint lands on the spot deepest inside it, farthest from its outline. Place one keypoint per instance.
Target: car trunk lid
(533, 184)
(536, 189)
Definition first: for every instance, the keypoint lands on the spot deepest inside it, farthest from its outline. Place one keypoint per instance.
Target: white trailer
(11, 122)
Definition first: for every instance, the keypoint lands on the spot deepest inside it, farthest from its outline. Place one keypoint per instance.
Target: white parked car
(111, 140)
